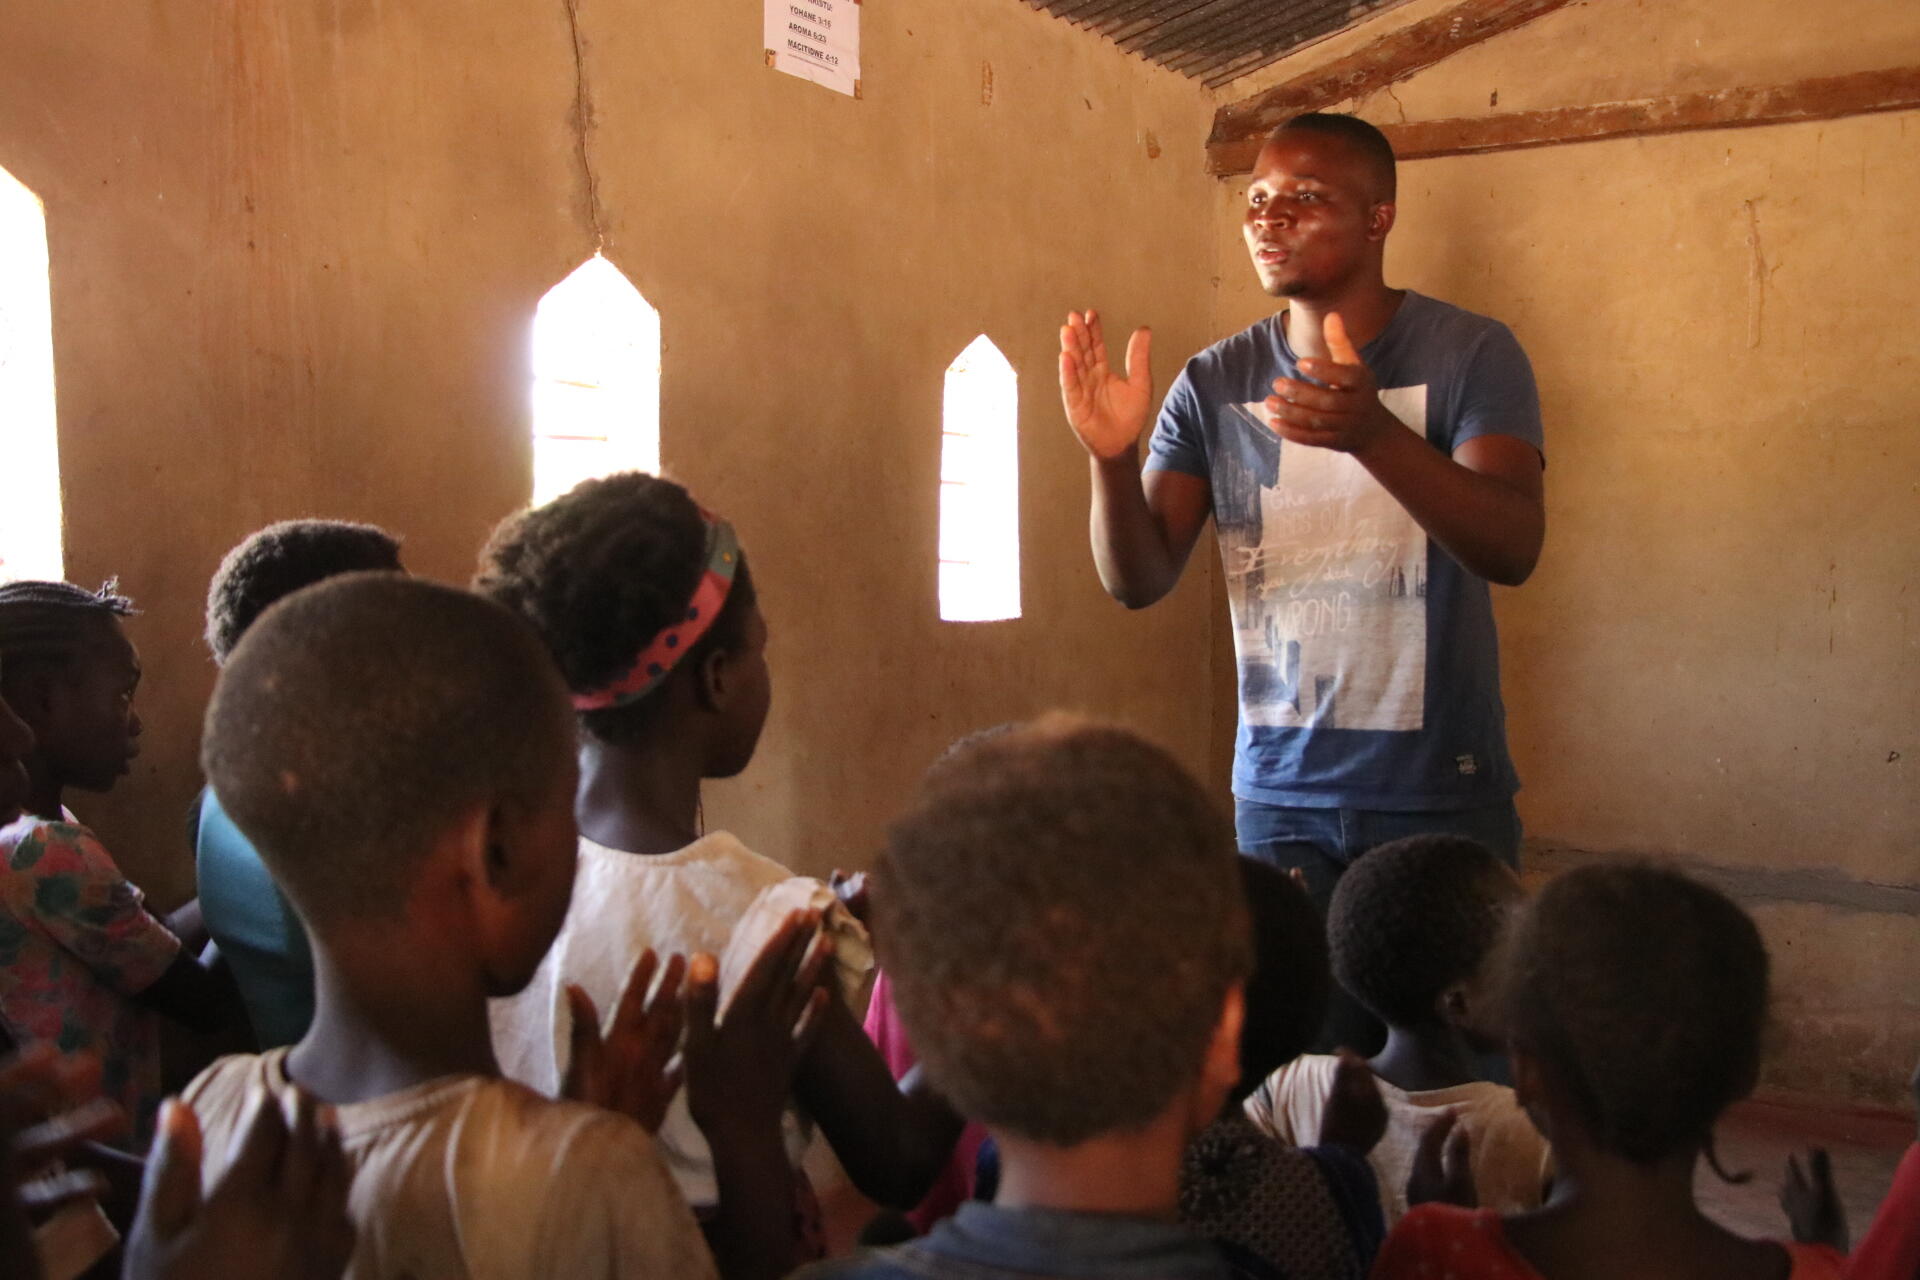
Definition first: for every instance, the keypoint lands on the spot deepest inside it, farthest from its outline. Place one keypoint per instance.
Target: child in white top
(647, 605)
(1413, 927)
(401, 755)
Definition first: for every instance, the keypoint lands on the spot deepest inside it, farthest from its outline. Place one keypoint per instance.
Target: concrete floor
(1758, 1136)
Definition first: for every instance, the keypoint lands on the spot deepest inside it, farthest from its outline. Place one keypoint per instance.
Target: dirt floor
(1758, 1137)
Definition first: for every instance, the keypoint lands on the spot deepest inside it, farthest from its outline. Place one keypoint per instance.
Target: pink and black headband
(658, 656)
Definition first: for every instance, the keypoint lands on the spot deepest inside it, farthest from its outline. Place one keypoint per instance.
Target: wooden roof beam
(1820, 98)
(1392, 57)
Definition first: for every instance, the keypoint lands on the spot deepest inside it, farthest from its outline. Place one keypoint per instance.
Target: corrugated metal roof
(1212, 41)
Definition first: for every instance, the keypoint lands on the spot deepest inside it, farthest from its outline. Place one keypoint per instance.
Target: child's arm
(188, 924)
(892, 1139)
(85, 904)
(1355, 1115)
(739, 1076)
(193, 994)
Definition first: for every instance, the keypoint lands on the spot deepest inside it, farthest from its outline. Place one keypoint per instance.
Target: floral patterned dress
(76, 944)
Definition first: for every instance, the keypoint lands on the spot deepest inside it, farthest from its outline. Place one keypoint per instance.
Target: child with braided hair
(83, 963)
(1635, 1000)
(648, 607)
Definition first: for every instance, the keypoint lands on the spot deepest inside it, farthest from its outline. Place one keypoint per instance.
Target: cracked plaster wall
(296, 246)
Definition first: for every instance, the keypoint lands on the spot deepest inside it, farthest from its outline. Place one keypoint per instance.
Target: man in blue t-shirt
(1372, 459)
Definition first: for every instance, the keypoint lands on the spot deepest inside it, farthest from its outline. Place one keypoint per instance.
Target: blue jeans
(1323, 843)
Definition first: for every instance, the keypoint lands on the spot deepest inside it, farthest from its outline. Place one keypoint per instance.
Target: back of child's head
(360, 719)
(53, 622)
(1643, 995)
(279, 560)
(1414, 917)
(1061, 916)
(1287, 991)
(601, 572)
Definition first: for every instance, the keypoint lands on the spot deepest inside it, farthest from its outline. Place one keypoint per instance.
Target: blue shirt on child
(1369, 674)
(255, 927)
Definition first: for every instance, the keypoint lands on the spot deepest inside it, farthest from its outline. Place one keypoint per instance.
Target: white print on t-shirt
(1328, 589)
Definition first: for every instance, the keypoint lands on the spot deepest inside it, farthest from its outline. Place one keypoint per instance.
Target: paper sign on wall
(817, 40)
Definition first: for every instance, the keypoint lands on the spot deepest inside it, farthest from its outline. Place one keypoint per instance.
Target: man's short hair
(1061, 915)
(279, 560)
(1364, 138)
(1415, 916)
(359, 719)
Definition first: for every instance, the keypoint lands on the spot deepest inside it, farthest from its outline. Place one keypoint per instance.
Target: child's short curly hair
(358, 719)
(279, 560)
(1413, 917)
(1643, 994)
(1061, 915)
(599, 572)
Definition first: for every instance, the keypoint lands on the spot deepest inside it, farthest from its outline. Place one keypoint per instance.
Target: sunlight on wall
(596, 380)
(29, 440)
(980, 488)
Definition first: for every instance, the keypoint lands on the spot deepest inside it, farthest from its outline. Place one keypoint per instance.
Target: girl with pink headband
(646, 602)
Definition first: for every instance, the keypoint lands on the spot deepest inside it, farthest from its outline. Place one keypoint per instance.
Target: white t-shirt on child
(480, 1178)
(1511, 1161)
(716, 895)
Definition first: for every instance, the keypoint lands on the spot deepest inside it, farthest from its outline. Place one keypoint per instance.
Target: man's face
(1316, 213)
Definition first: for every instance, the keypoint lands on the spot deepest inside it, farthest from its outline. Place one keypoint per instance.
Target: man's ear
(1380, 219)
(1454, 1005)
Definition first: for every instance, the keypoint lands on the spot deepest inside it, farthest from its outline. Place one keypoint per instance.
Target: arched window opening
(596, 380)
(29, 440)
(980, 488)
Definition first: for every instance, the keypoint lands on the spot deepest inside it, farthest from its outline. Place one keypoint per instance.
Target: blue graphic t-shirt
(1369, 673)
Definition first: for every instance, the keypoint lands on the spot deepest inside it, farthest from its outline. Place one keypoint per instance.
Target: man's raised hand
(1107, 411)
(1337, 404)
